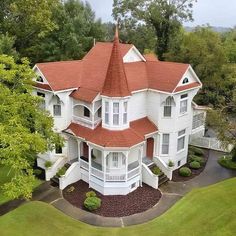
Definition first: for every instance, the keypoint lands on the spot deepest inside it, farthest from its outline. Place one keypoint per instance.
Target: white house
(119, 112)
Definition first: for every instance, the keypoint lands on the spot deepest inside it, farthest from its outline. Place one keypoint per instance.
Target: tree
(163, 16)
(204, 50)
(7, 45)
(25, 129)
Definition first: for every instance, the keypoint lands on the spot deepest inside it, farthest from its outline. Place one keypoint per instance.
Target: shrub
(37, 172)
(197, 159)
(196, 151)
(48, 164)
(92, 203)
(70, 189)
(171, 163)
(61, 171)
(195, 165)
(185, 171)
(227, 162)
(156, 170)
(91, 194)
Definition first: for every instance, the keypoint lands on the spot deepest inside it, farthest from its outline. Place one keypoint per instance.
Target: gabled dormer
(115, 93)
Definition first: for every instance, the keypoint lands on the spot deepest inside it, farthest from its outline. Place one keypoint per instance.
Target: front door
(150, 148)
(85, 150)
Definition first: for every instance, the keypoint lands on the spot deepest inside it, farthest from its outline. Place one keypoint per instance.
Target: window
(165, 143)
(39, 79)
(42, 104)
(116, 113)
(184, 103)
(185, 81)
(86, 112)
(181, 140)
(167, 107)
(123, 160)
(57, 110)
(107, 112)
(115, 159)
(58, 149)
(198, 120)
(125, 113)
(179, 163)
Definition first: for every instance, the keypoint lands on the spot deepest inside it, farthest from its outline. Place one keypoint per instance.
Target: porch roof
(108, 138)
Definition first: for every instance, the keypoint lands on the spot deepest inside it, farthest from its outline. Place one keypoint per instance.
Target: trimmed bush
(91, 194)
(196, 151)
(61, 171)
(48, 164)
(227, 162)
(156, 170)
(195, 165)
(92, 203)
(185, 171)
(193, 158)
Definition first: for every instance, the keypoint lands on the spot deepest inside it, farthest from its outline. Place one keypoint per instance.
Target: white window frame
(115, 160)
(183, 104)
(125, 113)
(55, 106)
(116, 113)
(167, 105)
(198, 120)
(107, 106)
(165, 144)
(181, 136)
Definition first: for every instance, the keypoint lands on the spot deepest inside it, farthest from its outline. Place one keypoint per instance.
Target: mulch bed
(138, 201)
(176, 177)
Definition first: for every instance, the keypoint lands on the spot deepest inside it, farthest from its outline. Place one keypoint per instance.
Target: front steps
(162, 177)
(55, 180)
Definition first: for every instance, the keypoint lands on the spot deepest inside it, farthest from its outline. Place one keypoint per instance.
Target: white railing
(84, 164)
(71, 176)
(115, 178)
(164, 167)
(86, 122)
(210, 143)
(133, 173)
(97, 173)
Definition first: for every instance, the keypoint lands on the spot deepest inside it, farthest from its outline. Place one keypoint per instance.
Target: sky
(214, 12)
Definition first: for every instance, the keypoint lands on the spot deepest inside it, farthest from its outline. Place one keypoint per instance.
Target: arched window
(168, 107)
(185, 81)
(39, 79)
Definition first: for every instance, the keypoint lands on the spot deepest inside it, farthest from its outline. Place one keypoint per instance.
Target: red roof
(107, 138)
(42, 86)
(84, 94)
(92, 73)
(115, 84)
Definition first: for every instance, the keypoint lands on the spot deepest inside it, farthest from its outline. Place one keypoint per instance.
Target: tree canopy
(163, 16)
(25, 129)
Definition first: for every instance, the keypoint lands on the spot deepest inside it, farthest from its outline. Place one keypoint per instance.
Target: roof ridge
(57, 62)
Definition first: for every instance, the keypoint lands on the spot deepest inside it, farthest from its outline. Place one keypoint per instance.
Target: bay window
(125, 112)
(107, 112)
(116, 113)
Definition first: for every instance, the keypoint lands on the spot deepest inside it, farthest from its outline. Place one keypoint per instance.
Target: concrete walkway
(171, 193)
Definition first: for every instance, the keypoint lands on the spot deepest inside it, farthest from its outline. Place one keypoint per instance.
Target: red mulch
(176, 177)
(138, 201)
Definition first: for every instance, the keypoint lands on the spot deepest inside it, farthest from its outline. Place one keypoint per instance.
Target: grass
(227, 162)
(6, 176)
(206, 211)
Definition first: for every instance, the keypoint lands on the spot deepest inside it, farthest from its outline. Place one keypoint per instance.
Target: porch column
(93, 115)
(140, 163)
(105, 154)
(89, 157)
(126, 165)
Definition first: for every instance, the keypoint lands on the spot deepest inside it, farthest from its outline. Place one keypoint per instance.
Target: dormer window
(185, 81)
(39, 79)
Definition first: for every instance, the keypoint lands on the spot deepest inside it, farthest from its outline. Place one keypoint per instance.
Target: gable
(133, 55)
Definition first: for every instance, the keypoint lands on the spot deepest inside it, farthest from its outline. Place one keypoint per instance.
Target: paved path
(171, 193)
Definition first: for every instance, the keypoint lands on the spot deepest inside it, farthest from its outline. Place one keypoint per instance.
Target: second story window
(168, 107)
(86, 112)
(116, 111)
(107, 112)
(57, 108)
(125, 113)
(183, 103)
(42, 104)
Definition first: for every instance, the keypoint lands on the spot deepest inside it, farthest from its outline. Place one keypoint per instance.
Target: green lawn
(206, 211)
(5, 176)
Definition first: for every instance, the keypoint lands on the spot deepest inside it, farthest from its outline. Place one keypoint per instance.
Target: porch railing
(84, 164)
(133, 173)
(97, 173)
